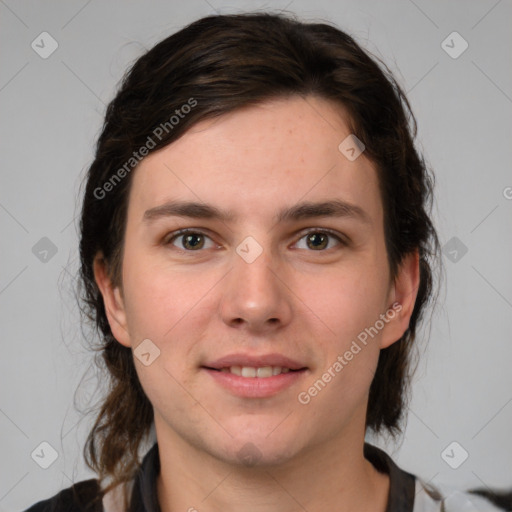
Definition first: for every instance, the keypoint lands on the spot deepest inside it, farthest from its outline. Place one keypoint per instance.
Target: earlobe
(113, 301)
(403, 292)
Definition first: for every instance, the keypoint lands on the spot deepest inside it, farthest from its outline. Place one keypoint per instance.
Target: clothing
(407, 492)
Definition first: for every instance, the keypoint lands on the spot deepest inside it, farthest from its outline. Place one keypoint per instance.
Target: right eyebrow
(187, 209)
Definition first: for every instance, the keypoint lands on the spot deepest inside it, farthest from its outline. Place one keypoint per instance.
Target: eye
(319, 240)
(190, 240)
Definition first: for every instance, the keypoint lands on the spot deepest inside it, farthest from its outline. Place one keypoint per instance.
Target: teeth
(265, 371)
(237, 370)
(262, 372)
(247, 371)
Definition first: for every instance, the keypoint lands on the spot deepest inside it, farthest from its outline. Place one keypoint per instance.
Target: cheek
(345, 310)
(164, 304)
(166, 308)
(346, 301)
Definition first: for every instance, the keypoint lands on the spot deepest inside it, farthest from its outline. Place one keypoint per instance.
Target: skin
(294, 299)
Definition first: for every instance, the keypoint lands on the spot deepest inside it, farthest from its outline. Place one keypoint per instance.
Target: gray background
(51, 111)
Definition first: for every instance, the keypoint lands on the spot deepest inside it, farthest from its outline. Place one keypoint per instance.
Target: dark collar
(144, 495)
(401, 484)
(401, 490)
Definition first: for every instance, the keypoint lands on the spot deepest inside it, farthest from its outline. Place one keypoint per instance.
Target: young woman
(256, 252)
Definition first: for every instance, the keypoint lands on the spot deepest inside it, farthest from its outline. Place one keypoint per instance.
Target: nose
(256, 295)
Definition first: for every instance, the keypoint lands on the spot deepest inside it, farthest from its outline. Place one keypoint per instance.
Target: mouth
(250, 376)
(261, 372)
(261, 380)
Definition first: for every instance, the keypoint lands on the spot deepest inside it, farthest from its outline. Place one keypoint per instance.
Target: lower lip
(255, 387)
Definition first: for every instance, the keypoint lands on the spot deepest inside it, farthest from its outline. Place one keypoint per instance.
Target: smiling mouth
(261, 372)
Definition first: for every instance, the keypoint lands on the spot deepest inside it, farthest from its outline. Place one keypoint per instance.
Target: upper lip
(254, 361)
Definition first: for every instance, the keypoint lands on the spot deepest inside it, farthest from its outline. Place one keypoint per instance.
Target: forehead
(247, 161)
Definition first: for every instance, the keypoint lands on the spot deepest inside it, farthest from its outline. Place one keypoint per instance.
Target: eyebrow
(300, 211)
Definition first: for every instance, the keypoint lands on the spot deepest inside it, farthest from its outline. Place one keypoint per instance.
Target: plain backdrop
(51, 112)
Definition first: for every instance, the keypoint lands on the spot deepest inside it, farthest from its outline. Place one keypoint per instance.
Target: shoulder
(81, 497)
(410, 493)
(431, 498)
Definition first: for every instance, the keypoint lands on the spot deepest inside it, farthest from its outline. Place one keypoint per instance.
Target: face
(281, 263)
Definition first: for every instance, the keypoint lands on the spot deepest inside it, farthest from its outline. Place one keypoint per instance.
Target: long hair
(214, 66)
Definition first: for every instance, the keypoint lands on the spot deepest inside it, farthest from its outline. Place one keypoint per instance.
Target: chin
(254, 451)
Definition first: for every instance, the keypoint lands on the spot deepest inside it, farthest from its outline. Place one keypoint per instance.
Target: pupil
(192, 241)
(317, 240)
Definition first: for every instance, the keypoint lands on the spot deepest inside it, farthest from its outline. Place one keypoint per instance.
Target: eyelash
(182, 232)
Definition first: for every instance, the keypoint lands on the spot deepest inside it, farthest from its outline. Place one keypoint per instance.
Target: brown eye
(317, 241)
(320, 240)
(190, 240)
(195, 241)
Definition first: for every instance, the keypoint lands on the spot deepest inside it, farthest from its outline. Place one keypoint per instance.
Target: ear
(402, 298)
(113, 300)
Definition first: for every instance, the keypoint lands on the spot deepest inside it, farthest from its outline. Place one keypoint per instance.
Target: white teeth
(237, 370)
(247, 371)
(265, 371)
(262, 372)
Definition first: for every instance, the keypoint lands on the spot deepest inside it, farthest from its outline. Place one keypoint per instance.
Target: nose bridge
(254, 293)
(255, 273)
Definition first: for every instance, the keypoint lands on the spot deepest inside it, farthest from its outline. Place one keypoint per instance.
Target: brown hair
(219, 64)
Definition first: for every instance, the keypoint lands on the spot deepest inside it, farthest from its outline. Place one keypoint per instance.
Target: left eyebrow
(300, 211)
(333, 208)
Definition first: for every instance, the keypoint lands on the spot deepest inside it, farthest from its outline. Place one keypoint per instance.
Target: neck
(335, 476)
